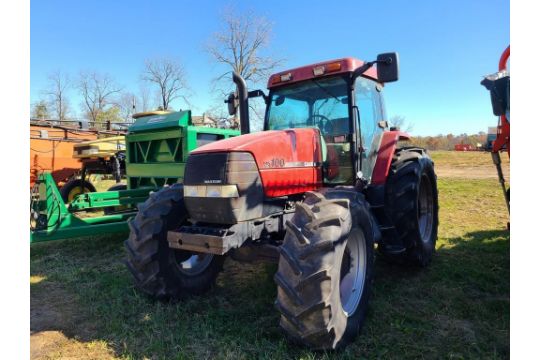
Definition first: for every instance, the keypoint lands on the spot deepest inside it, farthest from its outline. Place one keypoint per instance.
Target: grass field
(83, 304)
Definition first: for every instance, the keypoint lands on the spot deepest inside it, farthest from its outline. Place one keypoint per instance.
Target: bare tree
(97, 91)
(240, 45)
(40, 110)
(57, 92)
(144, 99)
(219, 113)
(126, 103)
(170, 78)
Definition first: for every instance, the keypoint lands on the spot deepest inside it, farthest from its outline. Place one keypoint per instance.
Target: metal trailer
(157, 147)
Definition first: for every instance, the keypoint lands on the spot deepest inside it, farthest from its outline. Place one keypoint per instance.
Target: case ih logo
(274, 163)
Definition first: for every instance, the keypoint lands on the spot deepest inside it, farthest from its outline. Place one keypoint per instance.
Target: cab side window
(369, 102)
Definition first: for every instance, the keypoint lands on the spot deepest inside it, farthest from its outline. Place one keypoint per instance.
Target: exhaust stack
(242, 102)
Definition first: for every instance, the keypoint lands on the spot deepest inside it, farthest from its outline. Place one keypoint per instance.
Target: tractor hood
(273, 149)
(288, 161)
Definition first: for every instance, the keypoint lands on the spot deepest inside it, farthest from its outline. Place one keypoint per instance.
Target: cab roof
(319, 70)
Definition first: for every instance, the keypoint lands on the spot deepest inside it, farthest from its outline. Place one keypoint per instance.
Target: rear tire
(73, 188)
(158, 270)
(412, 205)
(325, 269)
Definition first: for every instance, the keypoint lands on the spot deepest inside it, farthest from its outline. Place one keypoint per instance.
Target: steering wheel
(323, 123)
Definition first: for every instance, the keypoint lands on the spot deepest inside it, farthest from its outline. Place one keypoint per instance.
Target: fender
(387, 148)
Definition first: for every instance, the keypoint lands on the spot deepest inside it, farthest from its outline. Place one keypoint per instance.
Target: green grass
(458, 308)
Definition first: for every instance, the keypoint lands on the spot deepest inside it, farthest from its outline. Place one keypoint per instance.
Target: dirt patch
(57, 330)
(55, 345)
(468, 165)
(471, 172)
(52, 308)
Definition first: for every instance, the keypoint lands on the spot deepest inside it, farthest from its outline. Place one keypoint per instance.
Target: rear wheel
(412, 205)
(325, 269)
(73, 188)
(158, 270)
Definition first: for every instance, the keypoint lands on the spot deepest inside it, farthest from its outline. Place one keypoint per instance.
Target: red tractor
(316, 191)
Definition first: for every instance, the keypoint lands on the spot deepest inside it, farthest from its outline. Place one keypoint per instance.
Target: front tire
(325, 269)
(159, 271)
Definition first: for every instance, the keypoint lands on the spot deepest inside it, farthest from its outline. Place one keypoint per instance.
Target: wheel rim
(192, 264)
(353, 272)
(425, 209)
(76, 191)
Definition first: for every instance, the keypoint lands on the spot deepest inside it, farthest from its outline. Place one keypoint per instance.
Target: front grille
(234, 168)
(206, 168)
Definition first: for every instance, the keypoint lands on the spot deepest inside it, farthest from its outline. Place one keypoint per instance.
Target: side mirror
(232, 103)
(388, 67)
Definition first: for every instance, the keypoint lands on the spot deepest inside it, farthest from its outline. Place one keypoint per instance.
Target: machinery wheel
(412, 205)
(113, 209)
(325, 269)
(73, 188)
(158, 270)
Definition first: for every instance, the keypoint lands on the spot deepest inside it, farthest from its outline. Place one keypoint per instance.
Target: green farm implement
(157, 147)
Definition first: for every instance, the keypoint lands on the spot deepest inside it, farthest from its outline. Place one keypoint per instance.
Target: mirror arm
(257, 93)
(362, 69)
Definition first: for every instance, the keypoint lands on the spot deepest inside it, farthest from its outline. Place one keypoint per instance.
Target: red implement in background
(503, 129)
(51, 149)
(499, 86)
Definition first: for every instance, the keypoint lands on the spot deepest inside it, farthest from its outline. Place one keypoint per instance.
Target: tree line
(439, 142)
(241, 44)
(449, 141)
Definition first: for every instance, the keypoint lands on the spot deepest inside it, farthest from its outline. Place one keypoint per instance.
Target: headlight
(213, 191)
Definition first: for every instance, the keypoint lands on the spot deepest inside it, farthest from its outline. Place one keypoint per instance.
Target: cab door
(370, 112)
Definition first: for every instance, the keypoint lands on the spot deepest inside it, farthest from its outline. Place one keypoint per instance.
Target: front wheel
(158, 270)
(325, 269)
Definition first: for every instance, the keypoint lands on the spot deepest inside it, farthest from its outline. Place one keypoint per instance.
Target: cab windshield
(323, 104)
(320, 103)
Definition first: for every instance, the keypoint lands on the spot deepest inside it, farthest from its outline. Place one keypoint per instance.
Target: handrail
(105, 127)
(79, 123)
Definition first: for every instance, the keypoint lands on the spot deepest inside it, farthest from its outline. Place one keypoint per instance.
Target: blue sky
(445, 47)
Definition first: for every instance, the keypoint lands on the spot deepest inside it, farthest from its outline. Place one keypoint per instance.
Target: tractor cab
(342, 99)
(347, 110)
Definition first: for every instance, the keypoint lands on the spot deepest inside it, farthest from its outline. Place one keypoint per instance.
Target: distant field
(468, 164)
(83, 304)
